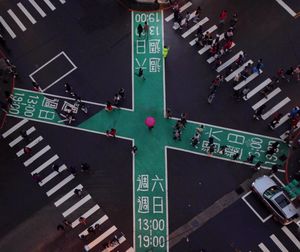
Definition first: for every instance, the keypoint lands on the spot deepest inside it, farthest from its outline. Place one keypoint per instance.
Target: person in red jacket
(222, 17)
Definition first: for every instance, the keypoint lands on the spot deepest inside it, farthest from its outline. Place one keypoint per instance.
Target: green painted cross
(150, 179)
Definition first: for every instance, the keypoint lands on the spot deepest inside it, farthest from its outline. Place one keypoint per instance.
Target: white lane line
(7, 28)
(291, 236)
(275, 108)
(38, 8)
(50, 5)
(60, 185)
(20, 138)
(30, 145)
(86, 215)
(17, 20)
(229, 62)
(194, 28)
(62, 1)
(14, 128)
(286, 7)
(246, 81)
(100, 238)
(210, 30)
(115, 245)
(130, 250)
(237, 71)
(257, 89)
(67, 196)
(278, 243)
(44, 165)
(282, 120)
(52, 175)
(99, 222)
(212, 59)
(181, 9)
(77, 205)
(267, 98)
(184, 20)
(263, 248)
(26, 13)
(207, 47)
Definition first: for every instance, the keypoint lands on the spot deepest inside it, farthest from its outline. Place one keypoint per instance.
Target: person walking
(36, 86)
(235, 156)
(187, 19)
(84, 167)
(183, 120)
(177, 135)
(195, 142)
(275, 120)
(68, 89)
(259, 66)
(141, 74)
(289, 74)
(210, 141)
(109, 106)
(36, 177)
(165, 52)
(111, 133)
(27, 150)
(168, 113)
(250, 158)
(297, 72)
(223, 149)
(25, 136)
(196, 18)
(258, 112)
(78, 192)
(211, 150)
(222, 18)
(140, 30)
(55, 167)
(146, 29)
(134, 149)
(121, 92)
(234, 20)
(82, 220)
(257, 166)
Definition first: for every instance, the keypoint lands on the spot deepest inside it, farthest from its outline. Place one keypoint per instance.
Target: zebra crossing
(26, 13)
(60, 185)
(229, 70)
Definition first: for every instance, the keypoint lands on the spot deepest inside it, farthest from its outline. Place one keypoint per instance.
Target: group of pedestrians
(118, 98)
(179, 126)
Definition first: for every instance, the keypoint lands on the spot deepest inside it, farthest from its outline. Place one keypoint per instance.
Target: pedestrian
(109, 106)
(140, 30)
(229, 33)
(70, 116)
(241, 59)
(36, 86)
(78, 192)
(146, 29)
(234, 19)
(55, 167)
(141, 74)
(177, 135)
(280, 75)
(258, 112)
(91, 230)
(134, 149)
(223, 149)
(183, 120)
(111, 133)
(84, 167)
(236, 156)
(117, 99)
(289, 74)
(195, 141)
(73, 170)
(228, 45)
(27, 150)
(222, 17)
(187, 19)
(270, 152)
(211, 149)
(275, 120)
(210, 141)
(36, 177)
(68, 89)
(168, 113)
(297, 72)
(67, 223)
(165, 52)
(60, 227)
(294, 112)
(259, 66)
(257, 166)
(275, 168)
(25, 136)
(200, 129)
(122, 93)
(197, 15)
(82, 220)
(250, 158)
(245, 91)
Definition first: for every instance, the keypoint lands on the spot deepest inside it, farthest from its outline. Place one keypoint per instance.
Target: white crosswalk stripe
(26, 13)
(181, 9)
(263, 247)
(130, 250)
(38, 8)
(275, 108)
(50, 5)
(210, 30)
(30, 145)
(86, 215)
(67, 196)
(267, 98)
(20, 138)
(44, 165)
(77, 205)
(60, 185)
(257, 89)
(52, 175)
(291, 236)
(115, 245)
(278, 243)
(7, 28)
(37, 155)
(229, 62)
(100, 238)
(282, 120)
(62, 1)
(194, 27)
(14, 128)
(99, 222)
(17, 20)
(207, 47)
(212, 59)
(246, 81)
(237, 71)
(184, 20)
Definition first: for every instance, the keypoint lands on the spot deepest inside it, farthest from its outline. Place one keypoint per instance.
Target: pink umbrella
(150, 122)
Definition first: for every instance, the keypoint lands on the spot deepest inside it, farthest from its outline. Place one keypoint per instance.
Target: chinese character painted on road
(154, 65)
(143, 202)
(158, 205)
(141, 46)
(143, 183)
(205, 146)
(48, 115)
(159, 181)
(139, 65)
(212, 133)
(69, 106)
(231, 150)
(50, 103)
(154, 46)
(235, 138)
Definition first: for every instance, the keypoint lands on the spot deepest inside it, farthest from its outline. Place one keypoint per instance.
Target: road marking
(86, 215)
(99, 222)
(246, 81)
(62, 1)
(20, 138)
(115, 245)
(212, 58)
(194, 28)
(52, 175)
(100, 238)
(38, 8)
(264, 100)
(7, 28)
(207, 47)
(286, 7)
(36, 156)
(181, 9)
(291, 236)
(50, 5)
(130, 250)
(210, 30)
(263, 247)
(32, 144)
(229, 62)
(183, 20)
(67, 195)
(253, 210)
(286, 134)
(26, 13)
(77, 205)
(14, 128)
(282, 120)
(237, 71)
(17, 20)
(257, 89)
(275, 108)
(44, 165)
(60, 185)
(278, 243)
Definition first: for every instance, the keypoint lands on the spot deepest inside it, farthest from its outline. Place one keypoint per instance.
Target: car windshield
(272, 191)
(282, 201)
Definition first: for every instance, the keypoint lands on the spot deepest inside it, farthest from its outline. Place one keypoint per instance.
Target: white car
(275, 199)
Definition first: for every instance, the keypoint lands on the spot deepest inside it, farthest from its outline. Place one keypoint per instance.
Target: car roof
(263, 183)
